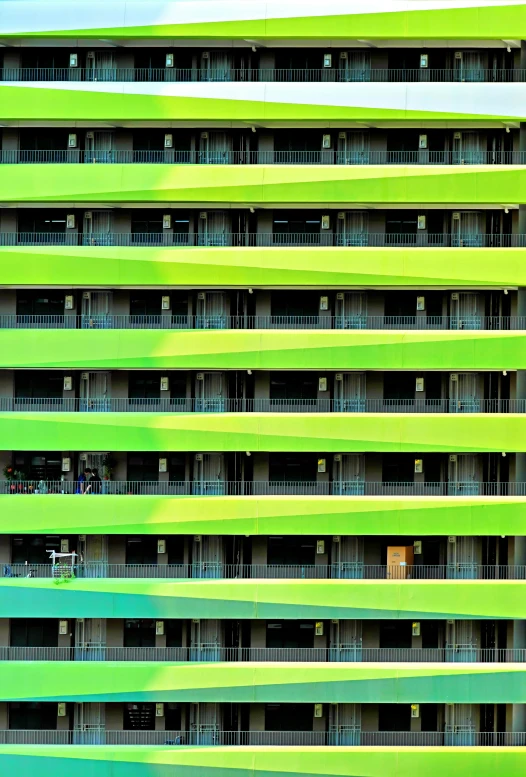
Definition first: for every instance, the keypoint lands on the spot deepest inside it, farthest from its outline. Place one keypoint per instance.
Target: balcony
(253, 157)
(353, 737)
(262, 240)
(215, 653)
(217, 322)
(261, 75)
(219, 571)
(215, 488)
(220, 405)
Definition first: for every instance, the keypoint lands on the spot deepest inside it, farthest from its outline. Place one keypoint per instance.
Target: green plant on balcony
(108, 465)
(10, 473)
(63, 573)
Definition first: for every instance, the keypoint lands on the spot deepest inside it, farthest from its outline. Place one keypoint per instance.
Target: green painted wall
(255, 267)
(263, 349)
(56, 103)
(364, 599)
(263, 184)
(500, 20)
(315, 432)
(313, 515)
(215, 682)
(128, 761)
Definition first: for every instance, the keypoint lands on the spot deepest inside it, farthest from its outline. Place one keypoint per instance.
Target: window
(139, 633)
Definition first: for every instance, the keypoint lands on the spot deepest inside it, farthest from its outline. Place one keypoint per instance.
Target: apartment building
(262, 388)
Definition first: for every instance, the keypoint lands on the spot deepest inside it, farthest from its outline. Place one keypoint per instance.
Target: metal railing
(345, 735)
(272, 75)
(265, 488)
(319, 157)
(216, 570)
(208, 322)
(220, 405)
(324, 239)
(206, 653)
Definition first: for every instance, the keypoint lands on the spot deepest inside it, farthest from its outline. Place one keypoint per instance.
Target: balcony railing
(264, 239)
(206, 653)
(265, 488)
(218, 321)
(319, 157)
(266, 75)
(217, 570)
(220, 405)
(344, 735)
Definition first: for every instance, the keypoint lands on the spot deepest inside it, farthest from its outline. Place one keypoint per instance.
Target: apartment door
(99, 146)
(345, 724)
(353, 148)
(349, 474)
(347, 558)
(90, 639)
(213, 228)
(464, 392)
(211, 310)
(460, 725)
(209, 473)
(95, 392)
(467, 229)
(96, 309)
(464, 474)
(349, 392)
(205, 640)
(461, 558)
(216, 148)
(355, 66)
(98, 226)
(208, 556)
(89, 720)
(205, 723)
(216, 65)
(95, 546)
(210, 392)
(346, 640)
(100, 66)
(466, 311)
(351, 310)
(468, 66)
(352, 228)
(467, 149)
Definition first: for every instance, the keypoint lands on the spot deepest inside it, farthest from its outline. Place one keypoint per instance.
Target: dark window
(290, 634)
(139, 717)
(298, 468)
(398, 468)
(34, 548)
(141, 550)
(53, 221)
(394, 717)
(40, 303)
(143, 466)
(144, 385)
(139, 633)
(283, 303)
(395, 634)
(34, 632)
(32, 715)
(174, 633)
(291, 550)
(175, 549)
(38, 385)
(172, 716)
(288, 717)
(288, 385)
